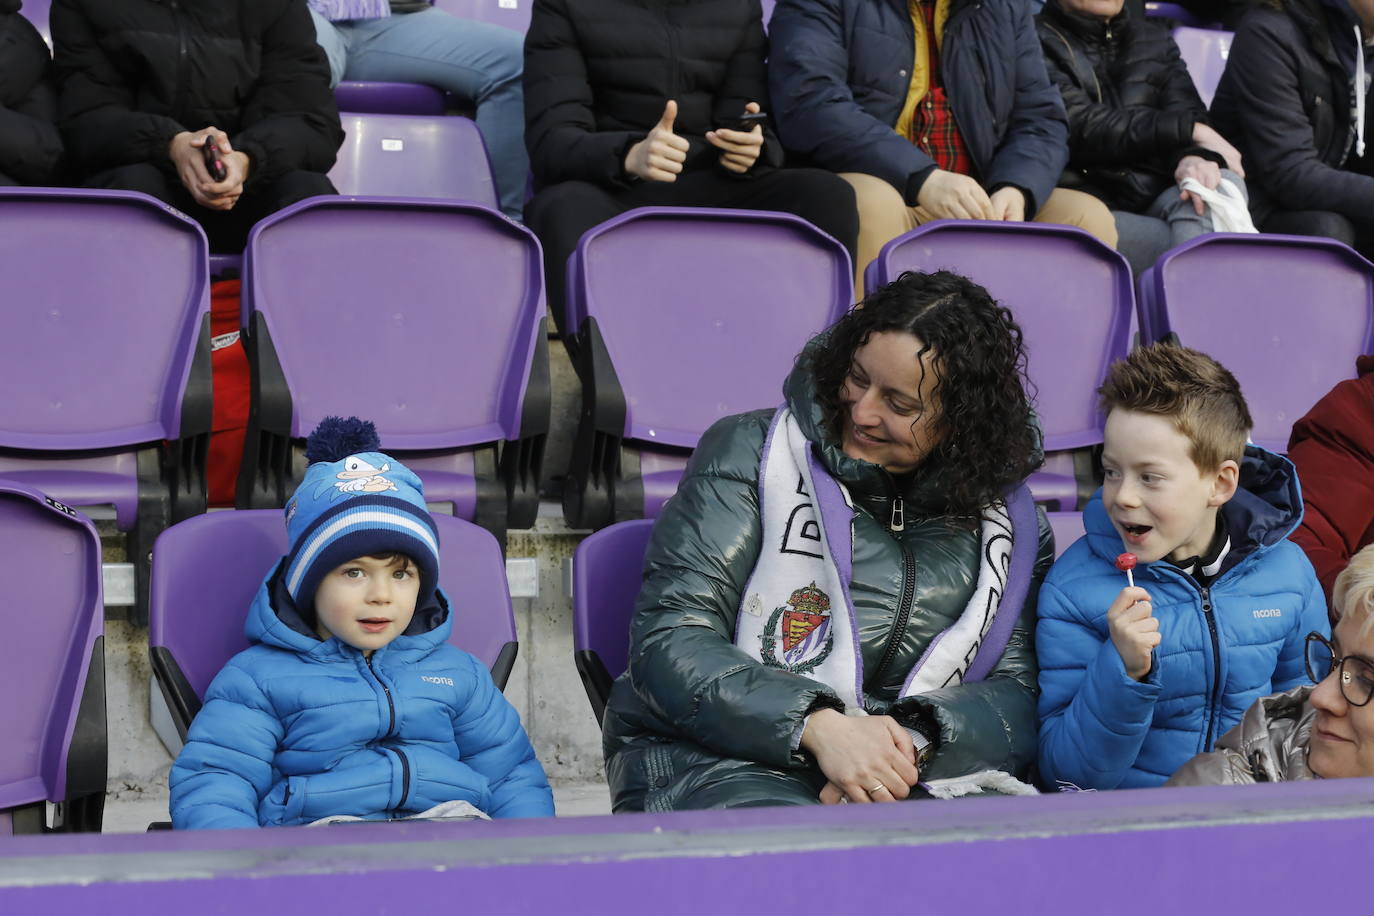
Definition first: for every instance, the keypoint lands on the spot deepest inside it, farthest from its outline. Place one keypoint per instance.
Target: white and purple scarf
(796, 610)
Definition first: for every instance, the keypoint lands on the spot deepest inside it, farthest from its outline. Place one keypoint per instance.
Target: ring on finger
(878, 788)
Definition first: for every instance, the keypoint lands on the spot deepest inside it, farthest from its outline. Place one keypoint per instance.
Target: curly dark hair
(989, 441)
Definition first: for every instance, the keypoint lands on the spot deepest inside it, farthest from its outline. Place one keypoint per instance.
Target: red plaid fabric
(932, 126)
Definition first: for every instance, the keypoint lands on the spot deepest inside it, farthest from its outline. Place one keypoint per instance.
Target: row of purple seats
(105, 363)
(1287, 315)
(52, 668)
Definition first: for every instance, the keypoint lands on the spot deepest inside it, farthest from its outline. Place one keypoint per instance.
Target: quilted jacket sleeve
(988, 724)
(96, 104)
(226, 766)
(1035, 146)
(560, 121)
(816, 112)
(493, 742)
(1105, 134)
(683, 662)
(291, 121)
(1093, 716)
(1262, 80)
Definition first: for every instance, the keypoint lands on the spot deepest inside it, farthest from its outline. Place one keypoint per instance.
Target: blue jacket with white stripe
(294, 729)
(1223, 647)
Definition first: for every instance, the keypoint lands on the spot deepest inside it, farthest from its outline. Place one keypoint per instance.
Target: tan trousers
(883, 216)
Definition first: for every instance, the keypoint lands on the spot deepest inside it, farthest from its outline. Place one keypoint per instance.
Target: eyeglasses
(1357, 675)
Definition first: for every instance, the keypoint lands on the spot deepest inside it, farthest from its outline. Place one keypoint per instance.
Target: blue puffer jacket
(839, 72)
(294, 729)
(1223, 647)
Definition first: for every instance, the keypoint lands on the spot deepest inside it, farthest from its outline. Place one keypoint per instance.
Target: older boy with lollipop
(1135, 680)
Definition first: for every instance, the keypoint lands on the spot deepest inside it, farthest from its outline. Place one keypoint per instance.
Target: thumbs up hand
(659, 156)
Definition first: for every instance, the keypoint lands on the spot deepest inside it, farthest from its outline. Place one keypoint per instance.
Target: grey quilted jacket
(1269, 744)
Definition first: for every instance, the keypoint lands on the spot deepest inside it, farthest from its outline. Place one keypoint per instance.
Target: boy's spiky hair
(1196, 392)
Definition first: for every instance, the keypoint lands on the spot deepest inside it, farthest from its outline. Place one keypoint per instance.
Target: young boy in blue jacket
(351, 702)
(1137, 680)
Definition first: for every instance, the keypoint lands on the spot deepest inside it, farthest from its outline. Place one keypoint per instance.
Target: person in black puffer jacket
(1137, 127)
(144, 84)
(1287, 98)
(914, 405)
(30, 146)
(625, 101)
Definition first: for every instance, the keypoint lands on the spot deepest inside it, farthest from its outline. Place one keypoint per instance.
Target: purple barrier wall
(1255, 850)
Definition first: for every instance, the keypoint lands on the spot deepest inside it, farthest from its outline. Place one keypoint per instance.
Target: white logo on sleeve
(1262, 613)
(447, 681)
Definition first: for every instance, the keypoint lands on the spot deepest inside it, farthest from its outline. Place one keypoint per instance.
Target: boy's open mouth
(374, 624)
(1136, 529)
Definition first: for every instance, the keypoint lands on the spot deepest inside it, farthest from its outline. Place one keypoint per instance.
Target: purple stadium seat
(207, 569)
(513, 14)
(105, 359)
(1205, 52)
(52, 666)
(1067, 528)
(1072, 296)
(1286, 314)
(406, 156)
(1180, 14)
(424, 316)
(607, 569)
(389, 98)
(684, 316)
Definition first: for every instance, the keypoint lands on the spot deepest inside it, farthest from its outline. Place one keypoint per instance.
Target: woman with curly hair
(838, 602)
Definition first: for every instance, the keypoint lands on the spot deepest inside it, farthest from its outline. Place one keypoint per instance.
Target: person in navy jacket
(351, 703)
(1136, 677)
(931, 109)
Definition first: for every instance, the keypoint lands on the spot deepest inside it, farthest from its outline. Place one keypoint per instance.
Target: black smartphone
(746, 121)
(213, 164)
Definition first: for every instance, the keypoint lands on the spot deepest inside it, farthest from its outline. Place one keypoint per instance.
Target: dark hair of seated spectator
(30, 145)
(145, 87)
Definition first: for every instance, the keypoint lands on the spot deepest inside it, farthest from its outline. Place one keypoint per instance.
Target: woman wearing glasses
(1323, 731)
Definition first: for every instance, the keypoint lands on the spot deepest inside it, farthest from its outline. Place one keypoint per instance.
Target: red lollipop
(1126, 562)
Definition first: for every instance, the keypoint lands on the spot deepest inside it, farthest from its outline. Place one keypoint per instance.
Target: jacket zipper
(181, 59)
(390, 727)
(1216, 665)
(903, 614)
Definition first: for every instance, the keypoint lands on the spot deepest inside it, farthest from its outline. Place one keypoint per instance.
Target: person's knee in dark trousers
(143, 177)
(558, 216)
(295, 186)
(825, 200)
(1311, 222)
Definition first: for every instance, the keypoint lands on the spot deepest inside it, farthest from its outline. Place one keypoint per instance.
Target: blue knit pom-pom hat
(355, 501)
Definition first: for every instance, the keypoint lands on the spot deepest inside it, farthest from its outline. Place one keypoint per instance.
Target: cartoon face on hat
(355, 501)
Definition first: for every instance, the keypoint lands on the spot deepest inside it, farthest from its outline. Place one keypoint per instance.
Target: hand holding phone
(213, 164)
(746, 121)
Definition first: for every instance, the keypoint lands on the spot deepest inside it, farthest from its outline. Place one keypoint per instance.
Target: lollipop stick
(1130, 579)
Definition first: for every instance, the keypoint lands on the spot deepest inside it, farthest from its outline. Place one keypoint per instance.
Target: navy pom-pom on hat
(355, 501)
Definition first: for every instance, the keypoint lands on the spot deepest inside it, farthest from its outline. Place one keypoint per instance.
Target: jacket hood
(274, 620)
(1266, 509)
(1273, 736)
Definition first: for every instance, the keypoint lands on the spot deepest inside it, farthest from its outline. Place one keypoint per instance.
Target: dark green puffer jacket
(697, 723)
